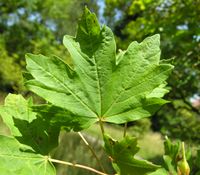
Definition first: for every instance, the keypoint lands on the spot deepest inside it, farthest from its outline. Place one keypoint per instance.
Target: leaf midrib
(152, 166)
(98, 85)
(21, 157)
(97, 75)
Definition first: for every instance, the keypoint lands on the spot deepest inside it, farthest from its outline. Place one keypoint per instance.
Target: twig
(92, 150)
(77, 165)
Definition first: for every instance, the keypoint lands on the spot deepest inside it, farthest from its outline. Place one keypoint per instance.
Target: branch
(77, 165)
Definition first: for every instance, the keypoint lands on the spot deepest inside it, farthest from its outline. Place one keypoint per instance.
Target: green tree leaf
(122, 156)
(16, 107)
(160, 171)
(101, 85)
(13, 160)
(29, 128)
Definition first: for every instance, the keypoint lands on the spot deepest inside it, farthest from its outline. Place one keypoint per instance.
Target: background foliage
(33, 27)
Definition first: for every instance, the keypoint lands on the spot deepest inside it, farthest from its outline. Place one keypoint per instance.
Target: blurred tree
(178, 22)
(34, 26)
(10, 74)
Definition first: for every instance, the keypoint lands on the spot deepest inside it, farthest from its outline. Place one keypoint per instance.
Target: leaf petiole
(125, 129)
(101, 126)
(92, 150)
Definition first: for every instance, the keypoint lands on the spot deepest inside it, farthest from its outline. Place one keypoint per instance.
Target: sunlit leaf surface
(101, 85)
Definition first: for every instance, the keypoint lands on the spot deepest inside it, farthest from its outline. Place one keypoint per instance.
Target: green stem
(92, 151)
(76, 165)
(101, 126)
(125, 129)
(183, 151)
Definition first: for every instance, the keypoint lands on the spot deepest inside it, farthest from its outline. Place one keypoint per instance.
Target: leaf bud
(183, 166)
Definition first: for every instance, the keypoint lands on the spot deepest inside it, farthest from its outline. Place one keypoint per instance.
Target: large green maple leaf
(101, 85)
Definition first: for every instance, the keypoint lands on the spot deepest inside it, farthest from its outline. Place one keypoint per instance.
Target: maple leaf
(101, 86)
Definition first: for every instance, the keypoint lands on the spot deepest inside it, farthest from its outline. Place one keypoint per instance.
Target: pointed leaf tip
(86, 10)
(88, 25)
(157, 36)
